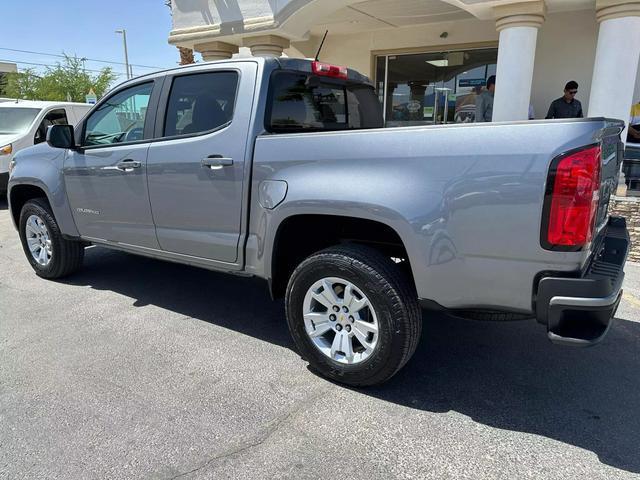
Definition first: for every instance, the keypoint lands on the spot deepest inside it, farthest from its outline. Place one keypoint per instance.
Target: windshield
(16, 120)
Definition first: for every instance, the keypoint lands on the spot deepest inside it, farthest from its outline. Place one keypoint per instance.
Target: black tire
(394, 300)
(66, 255)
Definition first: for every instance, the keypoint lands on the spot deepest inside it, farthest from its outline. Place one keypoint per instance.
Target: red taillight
(327, 70)
(574, 199)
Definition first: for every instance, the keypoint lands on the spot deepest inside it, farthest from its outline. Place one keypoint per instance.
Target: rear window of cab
(302, 102)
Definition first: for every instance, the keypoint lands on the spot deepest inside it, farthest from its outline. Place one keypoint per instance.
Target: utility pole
(126, 54)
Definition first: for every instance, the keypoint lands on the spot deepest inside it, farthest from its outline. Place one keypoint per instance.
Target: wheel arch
(50, 253)
(328, 230)
(20, 194)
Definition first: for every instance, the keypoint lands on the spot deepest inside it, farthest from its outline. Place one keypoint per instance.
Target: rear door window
(200, 102)
(301, 102)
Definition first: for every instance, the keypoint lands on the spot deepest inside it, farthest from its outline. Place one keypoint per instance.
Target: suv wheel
(50, 255)
(353, 314)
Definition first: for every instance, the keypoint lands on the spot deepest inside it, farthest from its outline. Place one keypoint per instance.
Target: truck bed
(466, 199)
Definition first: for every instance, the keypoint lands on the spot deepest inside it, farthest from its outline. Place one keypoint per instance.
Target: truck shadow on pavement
(503, 375)
(4, 205)
(509, 376)
(240, 304)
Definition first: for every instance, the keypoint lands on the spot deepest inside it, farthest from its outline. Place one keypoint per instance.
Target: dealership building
(427, 56)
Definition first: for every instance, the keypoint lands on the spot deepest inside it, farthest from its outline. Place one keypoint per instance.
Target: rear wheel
(50, 255)
(353, 314)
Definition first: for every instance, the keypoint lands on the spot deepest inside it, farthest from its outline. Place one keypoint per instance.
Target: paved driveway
(136, 368)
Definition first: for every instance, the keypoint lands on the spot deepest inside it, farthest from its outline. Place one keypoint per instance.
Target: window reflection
(430, 88)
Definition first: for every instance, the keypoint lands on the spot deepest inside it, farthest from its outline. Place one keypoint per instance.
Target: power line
(88, 59)
(53, 65)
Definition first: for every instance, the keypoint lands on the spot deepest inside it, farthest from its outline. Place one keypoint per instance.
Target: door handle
(216, 162)
(124, 166)
(128, 165)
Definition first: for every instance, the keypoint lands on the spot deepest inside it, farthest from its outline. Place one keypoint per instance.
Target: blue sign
(471, 82)
(91, 97)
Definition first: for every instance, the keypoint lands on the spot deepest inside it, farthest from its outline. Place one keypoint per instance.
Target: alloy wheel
(38, 240)
(340, 320)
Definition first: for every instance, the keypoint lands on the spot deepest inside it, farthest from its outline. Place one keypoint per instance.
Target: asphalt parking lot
(135, 368)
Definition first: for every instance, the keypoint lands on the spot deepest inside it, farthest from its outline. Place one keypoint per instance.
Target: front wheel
(353, 314)
(50, 255)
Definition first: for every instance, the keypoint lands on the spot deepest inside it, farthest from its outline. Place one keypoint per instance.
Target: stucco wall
(194, 13)
(355, 50)
(565, 51)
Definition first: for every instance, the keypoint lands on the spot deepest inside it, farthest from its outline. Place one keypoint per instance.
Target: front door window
(120, 119)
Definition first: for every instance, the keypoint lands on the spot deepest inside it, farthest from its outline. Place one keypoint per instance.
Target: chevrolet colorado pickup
(280, 169)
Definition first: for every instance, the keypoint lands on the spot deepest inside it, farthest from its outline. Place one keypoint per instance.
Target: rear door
(106, 179)
(196, 170)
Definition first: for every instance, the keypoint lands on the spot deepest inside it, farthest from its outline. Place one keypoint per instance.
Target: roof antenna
(321, 44)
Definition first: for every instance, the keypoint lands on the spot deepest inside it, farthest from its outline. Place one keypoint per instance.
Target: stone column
(216, 50)
(616, 65)
(518, 24)
(266, 45)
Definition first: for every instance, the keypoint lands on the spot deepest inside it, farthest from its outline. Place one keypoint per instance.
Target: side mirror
(61, 136)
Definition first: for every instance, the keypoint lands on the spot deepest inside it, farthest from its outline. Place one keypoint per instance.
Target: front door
(196, 171)
(106, 178)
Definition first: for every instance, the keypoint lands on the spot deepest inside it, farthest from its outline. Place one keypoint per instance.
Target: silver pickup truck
(280, 169)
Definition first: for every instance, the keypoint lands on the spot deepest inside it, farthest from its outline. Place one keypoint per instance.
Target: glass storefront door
(428, 88)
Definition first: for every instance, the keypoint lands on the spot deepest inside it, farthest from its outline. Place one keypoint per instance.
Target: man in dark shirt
(566, 106)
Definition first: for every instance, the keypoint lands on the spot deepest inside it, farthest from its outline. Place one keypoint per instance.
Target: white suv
(24, 123)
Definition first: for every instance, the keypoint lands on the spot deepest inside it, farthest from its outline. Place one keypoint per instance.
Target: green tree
(22, 84)
(68, 80)
(3, 84)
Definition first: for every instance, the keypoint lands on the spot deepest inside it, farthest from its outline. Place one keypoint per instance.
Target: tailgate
(612, 155)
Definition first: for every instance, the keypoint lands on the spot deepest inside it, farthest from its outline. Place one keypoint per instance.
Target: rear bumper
(579, 311)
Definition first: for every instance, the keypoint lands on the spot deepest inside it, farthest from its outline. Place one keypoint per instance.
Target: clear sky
(86, 28)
